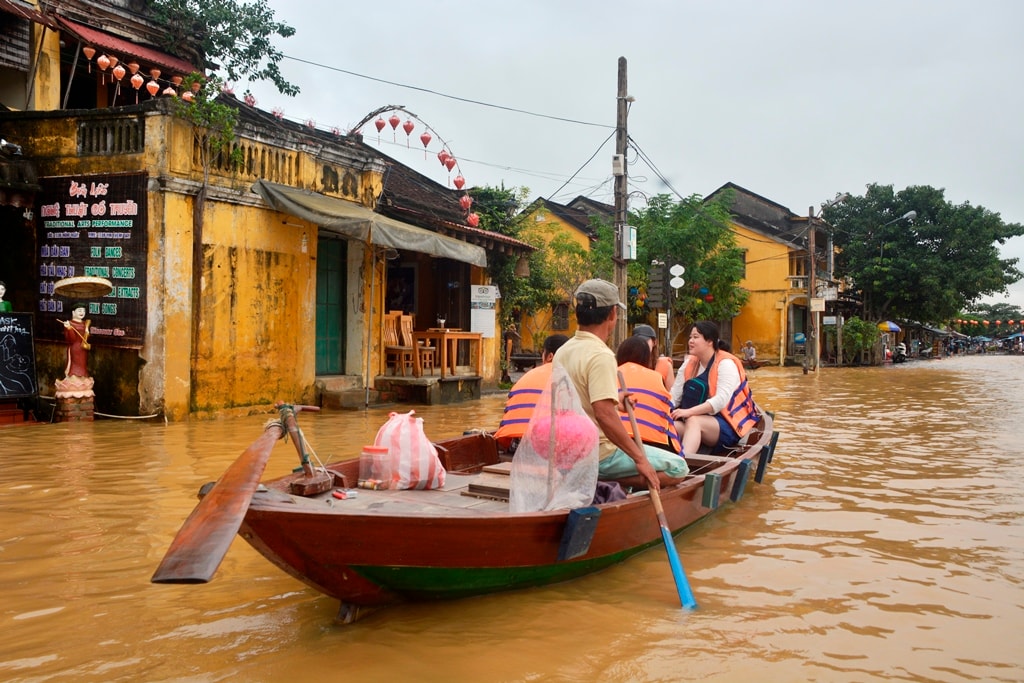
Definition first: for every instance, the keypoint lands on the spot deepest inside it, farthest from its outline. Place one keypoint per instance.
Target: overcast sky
(796, 100)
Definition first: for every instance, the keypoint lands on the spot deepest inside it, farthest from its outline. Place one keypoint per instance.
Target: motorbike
(900, 354)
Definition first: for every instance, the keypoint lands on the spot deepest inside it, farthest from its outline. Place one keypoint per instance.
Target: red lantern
(137, 81)
(88, 51)
(709, 298)
(465, 201)
(154, 73)
(153, 87)
(425, 138)
(459, 182)
(442, 156)
(1009, 322)
(473, 220)
(449, 163)
(394, 121)
(999, 322)
(985, 323)
(118, 72)
(408, 126)
(380, 123)
(103, 62)
(113, 61)
(196, 85)
(170, 91)
(187, 96)
(133, 67)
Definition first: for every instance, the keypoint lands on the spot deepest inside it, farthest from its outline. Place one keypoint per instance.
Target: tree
(925, 268)
(697, 236)
(237, 36)
(859, 337)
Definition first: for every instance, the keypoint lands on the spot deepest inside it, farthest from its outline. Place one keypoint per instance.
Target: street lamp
(909, 216)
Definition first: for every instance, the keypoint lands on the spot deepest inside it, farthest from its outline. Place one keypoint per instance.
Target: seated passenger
(522, 398)
(659, 363)
(652, 401)
(714, 405)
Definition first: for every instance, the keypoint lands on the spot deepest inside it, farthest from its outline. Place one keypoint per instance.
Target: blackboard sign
(17, 356)
(94, 225)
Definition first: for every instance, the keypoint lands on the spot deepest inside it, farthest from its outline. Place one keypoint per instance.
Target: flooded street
(886, 543)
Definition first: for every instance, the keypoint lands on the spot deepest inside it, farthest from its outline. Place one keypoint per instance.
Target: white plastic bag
(414, 461)
(558, 428)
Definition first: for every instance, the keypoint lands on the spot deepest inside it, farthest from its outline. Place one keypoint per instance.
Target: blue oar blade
(686, 598)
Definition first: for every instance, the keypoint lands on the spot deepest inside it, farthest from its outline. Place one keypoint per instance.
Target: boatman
(522, 398)
(591, 366)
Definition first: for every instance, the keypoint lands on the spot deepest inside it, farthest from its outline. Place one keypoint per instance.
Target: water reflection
(885, 544)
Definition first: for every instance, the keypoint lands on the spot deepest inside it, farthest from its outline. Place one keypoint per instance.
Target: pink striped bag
(414, 461)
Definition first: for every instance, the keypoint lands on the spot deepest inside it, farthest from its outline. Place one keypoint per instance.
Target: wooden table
(447, 339)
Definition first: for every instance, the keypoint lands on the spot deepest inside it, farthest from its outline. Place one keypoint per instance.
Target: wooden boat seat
(468, 454)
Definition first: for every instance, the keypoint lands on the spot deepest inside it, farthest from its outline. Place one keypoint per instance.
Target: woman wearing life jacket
(714, 405)
(652, 402)
(522, 398)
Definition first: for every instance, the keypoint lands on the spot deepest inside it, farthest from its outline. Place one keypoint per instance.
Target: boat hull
(443, 545)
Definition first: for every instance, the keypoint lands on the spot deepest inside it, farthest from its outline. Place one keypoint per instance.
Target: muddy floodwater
(886, 543)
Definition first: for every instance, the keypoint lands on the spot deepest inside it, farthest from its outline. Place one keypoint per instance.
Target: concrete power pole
(621, 195)
(811, 344)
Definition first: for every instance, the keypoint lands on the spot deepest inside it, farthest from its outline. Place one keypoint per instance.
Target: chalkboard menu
(94, 225)
(17, 356)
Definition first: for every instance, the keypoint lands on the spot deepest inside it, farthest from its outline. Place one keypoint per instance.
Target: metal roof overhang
(358, 222)
(106, 42)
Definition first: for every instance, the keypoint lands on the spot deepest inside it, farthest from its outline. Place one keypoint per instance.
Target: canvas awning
(353, 221)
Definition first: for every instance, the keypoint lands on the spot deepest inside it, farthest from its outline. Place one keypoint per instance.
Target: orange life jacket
(522, 399)
(740, 411)
(652, 408)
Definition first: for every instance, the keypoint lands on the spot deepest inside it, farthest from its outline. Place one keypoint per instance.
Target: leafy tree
(998, 311)
(237, 36)
(926, 268)
(859, 337)
(697, 236)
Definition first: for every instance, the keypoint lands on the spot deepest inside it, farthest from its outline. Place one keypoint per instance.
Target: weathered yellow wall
(540, 228)
(766, 280)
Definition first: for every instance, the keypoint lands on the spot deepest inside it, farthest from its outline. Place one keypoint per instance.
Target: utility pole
(621, 195)
(811, 345)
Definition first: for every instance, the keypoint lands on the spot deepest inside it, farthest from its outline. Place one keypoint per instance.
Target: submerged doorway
(331, 267)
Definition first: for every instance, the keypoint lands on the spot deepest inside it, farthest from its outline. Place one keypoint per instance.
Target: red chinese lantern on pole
(425, 138)
(473, 220)
(442, 156)
(465, 201)
(459, 182)
(89, 52)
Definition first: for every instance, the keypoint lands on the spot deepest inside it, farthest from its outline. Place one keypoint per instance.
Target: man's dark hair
(554, 342)
(634, 349)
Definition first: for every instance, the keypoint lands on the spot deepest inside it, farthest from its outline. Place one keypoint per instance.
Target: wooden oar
(686, 598)
(203, 540)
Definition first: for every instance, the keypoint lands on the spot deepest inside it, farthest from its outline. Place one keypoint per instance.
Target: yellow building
(235, 285)
(774, 239)
(546, 222)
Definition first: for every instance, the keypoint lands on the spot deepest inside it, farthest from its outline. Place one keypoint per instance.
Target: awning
(123, 48)
(358, 222)
(888, 326)
(26, 11)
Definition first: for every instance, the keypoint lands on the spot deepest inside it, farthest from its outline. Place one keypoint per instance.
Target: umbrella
(888, 326)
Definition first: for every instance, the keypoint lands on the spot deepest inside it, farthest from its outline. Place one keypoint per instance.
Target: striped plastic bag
(414, 461)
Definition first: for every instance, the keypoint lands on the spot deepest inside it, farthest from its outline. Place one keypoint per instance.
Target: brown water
(887, 543)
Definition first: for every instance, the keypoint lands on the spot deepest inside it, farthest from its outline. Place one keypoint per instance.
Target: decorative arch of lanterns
(444, 156)
(119, 69)
(971, 323)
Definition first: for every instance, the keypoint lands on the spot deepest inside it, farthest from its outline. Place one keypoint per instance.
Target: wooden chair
(397, 353)
(424, 351)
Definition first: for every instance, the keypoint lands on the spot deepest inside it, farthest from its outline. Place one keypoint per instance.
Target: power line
(445, 95)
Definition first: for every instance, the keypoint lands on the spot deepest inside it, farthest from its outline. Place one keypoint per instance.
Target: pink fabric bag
(414, 461)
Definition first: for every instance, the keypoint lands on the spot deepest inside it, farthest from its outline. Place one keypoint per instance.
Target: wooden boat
(753, 364)
(389, 546)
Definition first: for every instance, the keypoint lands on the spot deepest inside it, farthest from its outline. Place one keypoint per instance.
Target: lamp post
(811, 351)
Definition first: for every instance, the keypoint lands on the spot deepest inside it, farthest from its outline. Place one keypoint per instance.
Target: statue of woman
(5, 306)
(76, 334)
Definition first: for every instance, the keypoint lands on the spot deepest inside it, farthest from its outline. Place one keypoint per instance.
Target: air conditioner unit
(618, 164)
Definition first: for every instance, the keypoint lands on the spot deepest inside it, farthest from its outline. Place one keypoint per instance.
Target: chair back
(391, 329)
(405, 330)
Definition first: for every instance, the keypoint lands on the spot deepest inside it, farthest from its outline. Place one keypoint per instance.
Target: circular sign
(677, 282)
(677, 270)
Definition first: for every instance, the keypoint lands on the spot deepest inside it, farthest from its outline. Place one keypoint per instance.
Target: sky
(795, 100)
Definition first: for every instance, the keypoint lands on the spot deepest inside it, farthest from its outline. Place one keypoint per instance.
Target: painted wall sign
(94, 225)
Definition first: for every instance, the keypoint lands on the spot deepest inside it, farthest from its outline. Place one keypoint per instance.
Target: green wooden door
(332, 255)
